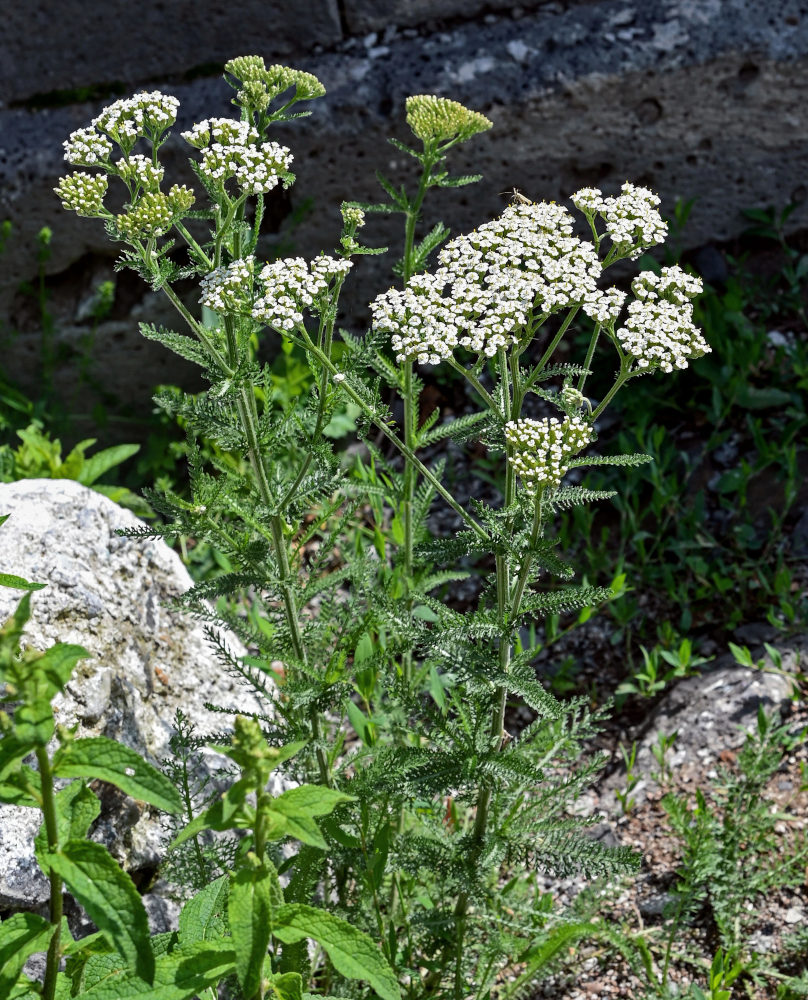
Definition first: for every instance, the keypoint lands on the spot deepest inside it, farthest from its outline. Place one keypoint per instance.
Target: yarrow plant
(433, 818)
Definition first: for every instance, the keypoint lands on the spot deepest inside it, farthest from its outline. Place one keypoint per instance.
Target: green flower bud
(151, 216)
(82, 193)
(437, 118)
(181, 197)
(352, 215)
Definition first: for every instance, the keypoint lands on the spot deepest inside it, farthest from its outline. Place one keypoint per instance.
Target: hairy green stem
(52, 832)
(536, 373)
(199, 330)
(589, 355)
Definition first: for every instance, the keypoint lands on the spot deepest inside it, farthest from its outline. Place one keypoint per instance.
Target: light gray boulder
(111, 595)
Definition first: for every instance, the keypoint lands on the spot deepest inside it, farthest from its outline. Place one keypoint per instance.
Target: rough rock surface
(110, 595)
(704, 99)
(711, 714)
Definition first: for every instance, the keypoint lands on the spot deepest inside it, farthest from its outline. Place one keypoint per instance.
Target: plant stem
(475, 526)
(52, 831)
(199, 330)
(589, 355)
(534, 375)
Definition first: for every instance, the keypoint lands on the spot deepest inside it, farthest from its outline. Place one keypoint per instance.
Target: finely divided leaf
(353, 953)
(110, 898)
(21, 935)
(104, 759)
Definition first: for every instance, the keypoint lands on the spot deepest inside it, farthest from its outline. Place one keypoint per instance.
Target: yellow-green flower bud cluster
(145, 115)
(86, 147)
(140, 170)
(439, 119)
(82, 193)
(229, 288)
(659, 330)
(151, 216)
(352, 215)
(540, 450)
(262, 83)
(181, 197)
(292, 285)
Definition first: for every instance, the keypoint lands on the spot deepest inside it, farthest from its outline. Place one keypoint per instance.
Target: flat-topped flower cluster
(488, 283)
(659, 330)
(496, 285)
(292, 285)
(539, 450)
(231, 149)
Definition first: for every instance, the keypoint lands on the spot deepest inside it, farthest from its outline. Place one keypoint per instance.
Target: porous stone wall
(699, 99)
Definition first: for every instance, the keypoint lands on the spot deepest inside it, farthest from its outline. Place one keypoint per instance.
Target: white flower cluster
(425, 325)
(82, 193)
(540, 449)
(229, 288)
(231, 149)
(147, 114)
(226, 131)
(85, 147)
(604, 306)
(526, 259)
(292, 285)
(141, 170)
(672, 283)
(659, 330)
(631, 219)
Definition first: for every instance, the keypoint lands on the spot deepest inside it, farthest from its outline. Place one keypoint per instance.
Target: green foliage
(40, 457)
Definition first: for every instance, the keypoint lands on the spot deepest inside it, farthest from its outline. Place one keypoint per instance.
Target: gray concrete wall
(703, 99)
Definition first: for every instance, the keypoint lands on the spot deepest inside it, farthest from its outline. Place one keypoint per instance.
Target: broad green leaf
(249, 912)
(104, 759)
(56, 664)
(353, 953)
(12, 751)
(102, 461)
(228, 813)
(203, 917)
(309, 800)
(110, 898)
(301, 827)
(76, 808)
(181, 975)
(286, 986)
(13, 628)
(19, 582)
(14, 793)
(4, 518)
(21, 936)
(33, 722)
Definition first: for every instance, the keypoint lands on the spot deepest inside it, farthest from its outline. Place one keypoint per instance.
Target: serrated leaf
(110, 898)
(56, 664)
(180, 975)
(76, 807)
(102, 461)
(249, 912)
(637, 459)
(21, 935)
(287, 986)
(353, 954)
(18, 582)
(312, 800)
(203, 917)
(104, 759)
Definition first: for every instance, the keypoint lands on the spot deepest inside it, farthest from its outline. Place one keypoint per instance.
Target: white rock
(110, 595)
